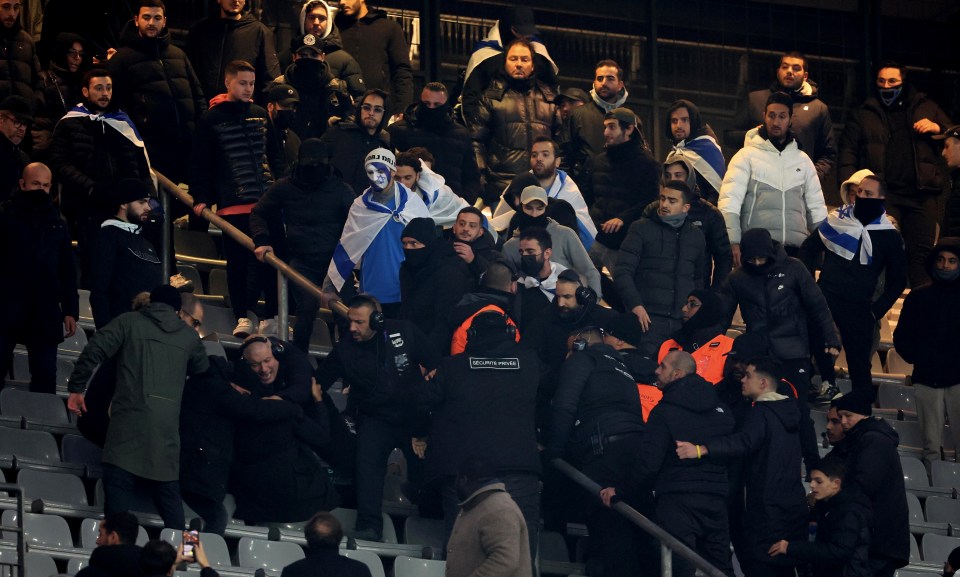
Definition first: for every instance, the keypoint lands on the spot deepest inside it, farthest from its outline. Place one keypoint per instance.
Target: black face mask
(309, 73)
(431, 117)
(531, 264)
(38, 197)
(416, 258)
(310, 176)
(525, 221)
(757, 270)
(867, 210)
(285, 119)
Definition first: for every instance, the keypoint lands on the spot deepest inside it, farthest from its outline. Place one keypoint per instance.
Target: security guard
(702, 335)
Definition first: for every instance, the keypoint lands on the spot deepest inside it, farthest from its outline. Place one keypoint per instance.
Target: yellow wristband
(698, 451)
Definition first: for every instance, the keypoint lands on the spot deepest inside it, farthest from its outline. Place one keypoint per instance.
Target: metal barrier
(16, 490)
(668, 543)
(168, 188)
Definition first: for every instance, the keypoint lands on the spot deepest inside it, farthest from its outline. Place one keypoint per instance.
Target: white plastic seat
(43, 407)
(89, 528)
(553, 547)
(896, 364)
(348, 519)
(427, 532)
(901, 397)
(36, 445)
(936, 548)
(943, 510)
(368, 558)
(61, 488)
(39, 565)
(910, 433)
(45, 530)
(75, 565)
(914, 474)
(270, 555)
(915, 510)
(404, 566)
(945, 474)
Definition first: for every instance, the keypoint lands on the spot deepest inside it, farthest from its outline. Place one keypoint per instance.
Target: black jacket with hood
(431, 288)
(928, 332)
(20, 65)
(379, 45)
(776, 301)
(842, 546)
(349, 144)
(776, 506)
(869, 450)
(154, 82)
(867, 135)
(321, 96)
(449, 142)
(811, 124)
(485, 251)
(61, 88)
(689, 411)
(342, 65)
(215, 42)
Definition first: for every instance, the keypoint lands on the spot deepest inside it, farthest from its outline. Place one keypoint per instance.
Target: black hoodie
(431, 289)
(321, 96)
(61, 88)
(378, 44)
(928, 332)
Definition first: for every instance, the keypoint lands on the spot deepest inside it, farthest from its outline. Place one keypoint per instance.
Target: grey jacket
(567, 251)
(489, 538)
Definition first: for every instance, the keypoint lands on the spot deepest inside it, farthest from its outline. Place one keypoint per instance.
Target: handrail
(667, 541)
(18, 530)
(283, 269)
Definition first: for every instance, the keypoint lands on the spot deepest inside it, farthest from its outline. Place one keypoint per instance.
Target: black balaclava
(867, 210)
(432, 117)
(710, 313)
(425, 231)
(756, 242)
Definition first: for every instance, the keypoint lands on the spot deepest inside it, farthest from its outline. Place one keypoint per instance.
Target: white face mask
(378, 174)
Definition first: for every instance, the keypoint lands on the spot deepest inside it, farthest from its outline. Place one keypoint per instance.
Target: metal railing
(16, 490)
(167, 189)
(669, 545)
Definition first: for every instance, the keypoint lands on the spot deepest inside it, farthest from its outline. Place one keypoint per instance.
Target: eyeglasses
(372, 108)
(75, 53)
(17, 123)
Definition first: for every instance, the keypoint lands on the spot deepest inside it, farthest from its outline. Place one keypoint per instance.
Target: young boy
(843, 517)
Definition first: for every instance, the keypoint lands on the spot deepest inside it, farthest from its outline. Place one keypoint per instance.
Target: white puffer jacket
(766, 188)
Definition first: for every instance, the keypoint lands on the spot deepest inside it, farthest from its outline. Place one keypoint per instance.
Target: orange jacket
(650, 396)
(710, 358)
(459, 341)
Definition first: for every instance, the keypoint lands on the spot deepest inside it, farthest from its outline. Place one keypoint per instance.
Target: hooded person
(702, 335)
(927, 337)
(696, 141)
(371, 236)
(302, 216)
(317, 18)
(62, 79)
(433, 278)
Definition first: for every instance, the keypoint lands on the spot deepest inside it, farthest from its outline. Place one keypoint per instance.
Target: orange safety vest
(710, 358)
(459, 341)
(650, 396)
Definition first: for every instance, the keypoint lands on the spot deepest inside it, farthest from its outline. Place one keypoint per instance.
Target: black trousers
(246, 276)
(307, 305)
(916, 212)
(41, 360)
(213, 513)
(120, 487)
(856, 323)
(798, 372)
(700, 521)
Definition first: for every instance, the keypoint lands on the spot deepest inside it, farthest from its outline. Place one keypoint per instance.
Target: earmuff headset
(276, 345)
(509, 328)
(584, 294)
(376, 314)
(580, 343)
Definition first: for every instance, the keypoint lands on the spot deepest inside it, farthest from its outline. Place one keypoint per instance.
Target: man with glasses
(702, 335)
(15, 119)
(352, 138)
(892, 134)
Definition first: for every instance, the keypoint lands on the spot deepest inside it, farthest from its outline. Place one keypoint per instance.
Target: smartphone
(190, 540)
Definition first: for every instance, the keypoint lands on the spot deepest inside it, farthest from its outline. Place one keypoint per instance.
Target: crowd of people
(524, 282)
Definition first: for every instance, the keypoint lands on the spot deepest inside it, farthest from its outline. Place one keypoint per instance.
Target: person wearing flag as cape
(371, 237)
(94, 146)
(858, 243)
(695, 141)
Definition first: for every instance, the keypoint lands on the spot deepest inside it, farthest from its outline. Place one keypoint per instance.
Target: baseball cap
(283, 94)
(577, 94)
(953, 131)
(307, 41)
(622, 115)
(532, 193)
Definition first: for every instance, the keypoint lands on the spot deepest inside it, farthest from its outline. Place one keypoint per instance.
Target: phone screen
(190, 540)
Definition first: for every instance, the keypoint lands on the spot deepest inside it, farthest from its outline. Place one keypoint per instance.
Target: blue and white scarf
(492, 45)
(563, 188)
(118, 121)
(704, 154)
(444, 204)
(841, 232)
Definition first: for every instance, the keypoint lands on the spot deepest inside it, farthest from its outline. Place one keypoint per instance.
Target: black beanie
(756, 242)
(167, 295)
(859, 401)
(131, 189)
(749, 346)
(711, 309)
(422, 229)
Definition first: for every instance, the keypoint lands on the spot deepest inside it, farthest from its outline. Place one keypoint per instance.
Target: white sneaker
(268, 327)
(243, 329)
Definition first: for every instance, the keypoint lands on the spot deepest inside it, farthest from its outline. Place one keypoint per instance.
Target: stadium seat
(61, 488)
(45, 530)
(914, 551)
(221, 321)
(368, 558)
(218, 282)
(270, 555)
(72, 346)
(553, 547)
(911, 436)
(908, 573)
(404, 566)
(896, 364)
(945, 474)
(86, 313)
(213, 544)
(426, 532)
(76, 449)
(395, 500)
(936, 548)
(890, 396)
(915, 509)
(64, 370)
(943, 510)
(914, 474)
(348, 519)
(214, 348)
(34, 445)
(75, 565)
(194, 243)
(40, 565)
(89, 528)
(191, 273)
(40, 407)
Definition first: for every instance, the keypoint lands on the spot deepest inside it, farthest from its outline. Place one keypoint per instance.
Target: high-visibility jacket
(710, 358)
(459, 341)
(650, 396)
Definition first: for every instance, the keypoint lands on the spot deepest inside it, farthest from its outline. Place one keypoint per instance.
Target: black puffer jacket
(689, 411)
(510, 116)
(718, 256)
(35, 243)
(231, 152)
(343, 65)
(928, 333)
(61, 88)
(215, 42)
(581, 138)
(777, 303)
(449, 143)
(379, 45)
(321, 96)
(309, 214)
(873, 467)
(595, 392)
(619, 183)
(87, 156)
(430, 291)
(483, 411)
(659, 265)
(156, 85)
(350, 143)
(842, 546)
(20, 66)
(867, 132)
(776, 506)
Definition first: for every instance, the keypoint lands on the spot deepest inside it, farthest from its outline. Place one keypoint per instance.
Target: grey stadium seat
(213, 544)
(48, 530)
(420, 531)
(76, 449)
(404, 566)
(936, 548)
(368, 558)
(914, 474)
(270, 555)
(42, 407)
(62, 488)
(945, 474)
(90, 527)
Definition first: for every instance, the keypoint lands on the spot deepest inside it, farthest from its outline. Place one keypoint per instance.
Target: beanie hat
(313, 152)
(131, 189)
(167, 295)
(756, 242)
(422, 229)
(749, 346)
(859, 401)
(382, 158)
(625, 327)
(711, 309)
